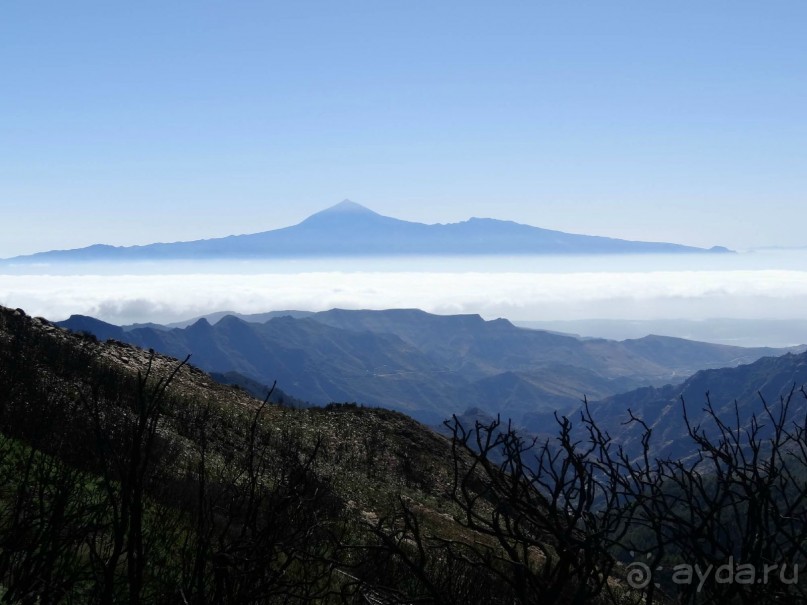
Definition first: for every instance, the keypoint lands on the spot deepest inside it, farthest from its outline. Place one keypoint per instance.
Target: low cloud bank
(163, 298)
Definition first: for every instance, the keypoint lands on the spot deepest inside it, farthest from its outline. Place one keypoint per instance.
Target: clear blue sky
(159, 121)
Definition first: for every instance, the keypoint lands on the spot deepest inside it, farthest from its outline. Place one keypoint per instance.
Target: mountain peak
(345, 209)
(347, 206)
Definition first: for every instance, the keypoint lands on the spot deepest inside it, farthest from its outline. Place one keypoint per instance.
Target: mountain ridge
(428, 366)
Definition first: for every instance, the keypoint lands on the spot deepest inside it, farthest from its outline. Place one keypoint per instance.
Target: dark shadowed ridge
(767, 379)
(349, 229)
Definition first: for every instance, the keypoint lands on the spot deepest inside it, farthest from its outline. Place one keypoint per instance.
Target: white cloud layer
(517, 295)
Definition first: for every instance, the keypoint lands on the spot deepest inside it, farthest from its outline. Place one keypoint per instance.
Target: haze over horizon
(181, 121)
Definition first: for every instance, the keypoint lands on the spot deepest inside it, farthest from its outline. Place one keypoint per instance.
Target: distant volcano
(350, 229)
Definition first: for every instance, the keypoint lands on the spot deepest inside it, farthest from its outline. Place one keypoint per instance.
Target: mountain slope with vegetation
(144, 449)
(129, 476)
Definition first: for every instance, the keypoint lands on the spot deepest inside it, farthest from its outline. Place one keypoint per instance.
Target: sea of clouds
(122, 297)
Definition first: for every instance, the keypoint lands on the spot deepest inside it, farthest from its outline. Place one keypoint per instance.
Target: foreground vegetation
(126, 476)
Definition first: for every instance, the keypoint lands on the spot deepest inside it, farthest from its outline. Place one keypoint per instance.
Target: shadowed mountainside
(110, 449)
(768, 379)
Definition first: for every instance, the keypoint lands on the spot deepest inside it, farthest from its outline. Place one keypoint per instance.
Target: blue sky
(137, 122)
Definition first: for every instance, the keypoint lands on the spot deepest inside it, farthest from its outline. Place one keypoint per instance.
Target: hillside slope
(121, 436)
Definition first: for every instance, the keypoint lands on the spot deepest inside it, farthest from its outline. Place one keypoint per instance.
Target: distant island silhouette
(350, 229)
